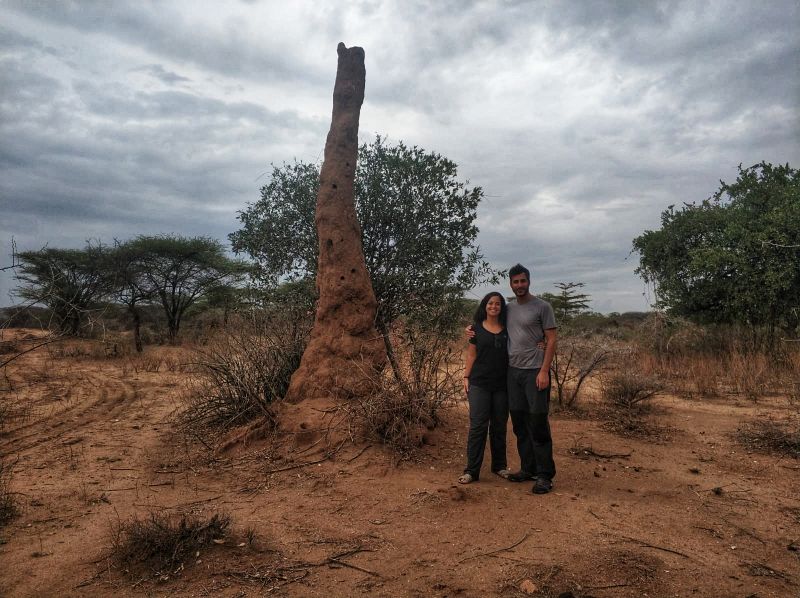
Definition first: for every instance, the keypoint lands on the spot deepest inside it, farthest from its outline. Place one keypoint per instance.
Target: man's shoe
(542, 486)
(520, 476)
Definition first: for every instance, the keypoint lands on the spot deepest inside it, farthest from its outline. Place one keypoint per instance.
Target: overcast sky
(582, 121)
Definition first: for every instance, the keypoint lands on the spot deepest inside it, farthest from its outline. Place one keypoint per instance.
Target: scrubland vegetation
(174, 314)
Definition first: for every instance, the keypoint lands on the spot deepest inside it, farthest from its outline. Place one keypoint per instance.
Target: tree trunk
(387, 342)
(345, 351)
(137, 328)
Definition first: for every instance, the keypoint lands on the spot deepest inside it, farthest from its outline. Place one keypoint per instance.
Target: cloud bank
(581, 121)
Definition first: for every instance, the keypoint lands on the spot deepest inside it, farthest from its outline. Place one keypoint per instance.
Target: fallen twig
(514, 545)
(297, 465)
(358, 454)
(334, 561)
(590, 452)
(648, 545)
(307, 463)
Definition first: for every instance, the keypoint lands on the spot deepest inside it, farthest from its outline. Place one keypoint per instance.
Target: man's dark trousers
(529, 409)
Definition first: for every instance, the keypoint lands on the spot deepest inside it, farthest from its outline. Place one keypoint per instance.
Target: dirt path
(693, 514)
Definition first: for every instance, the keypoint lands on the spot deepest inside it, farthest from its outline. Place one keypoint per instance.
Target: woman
(485, 386)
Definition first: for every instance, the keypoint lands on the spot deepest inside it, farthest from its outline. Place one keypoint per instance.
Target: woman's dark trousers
(488, 413)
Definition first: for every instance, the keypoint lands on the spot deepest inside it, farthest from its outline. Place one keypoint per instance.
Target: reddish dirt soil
(97, 446)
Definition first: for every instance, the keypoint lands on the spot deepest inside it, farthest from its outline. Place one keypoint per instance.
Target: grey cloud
(680, 93)
(13, 40)
(158, 28)
(159, 72)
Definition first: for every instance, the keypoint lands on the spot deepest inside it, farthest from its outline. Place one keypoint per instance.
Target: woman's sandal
(504, 473)
(466, 479)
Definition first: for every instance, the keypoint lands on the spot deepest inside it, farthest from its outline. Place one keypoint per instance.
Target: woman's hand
(466, 386)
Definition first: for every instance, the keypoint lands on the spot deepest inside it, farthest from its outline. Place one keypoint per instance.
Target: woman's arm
(472, 352)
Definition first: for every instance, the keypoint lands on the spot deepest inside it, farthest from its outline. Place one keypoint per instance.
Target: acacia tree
(125, 269)
(71, 282)
(417, 225)
(734, 257)
(178, 271)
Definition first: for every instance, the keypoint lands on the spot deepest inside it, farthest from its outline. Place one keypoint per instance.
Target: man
(530, 321)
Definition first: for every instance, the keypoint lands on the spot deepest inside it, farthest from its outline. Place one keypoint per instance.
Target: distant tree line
(170, 271)
(418, 233)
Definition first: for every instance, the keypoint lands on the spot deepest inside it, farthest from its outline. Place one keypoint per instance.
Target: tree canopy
(417, 225)
(177, 271)
(70, 282)
(733, 258)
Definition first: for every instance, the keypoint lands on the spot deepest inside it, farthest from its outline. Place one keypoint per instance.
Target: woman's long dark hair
(480, 313)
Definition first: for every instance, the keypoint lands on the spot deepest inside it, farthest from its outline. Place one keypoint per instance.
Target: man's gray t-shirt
(526, 323)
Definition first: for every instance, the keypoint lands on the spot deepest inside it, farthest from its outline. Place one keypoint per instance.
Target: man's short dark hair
(517, 270)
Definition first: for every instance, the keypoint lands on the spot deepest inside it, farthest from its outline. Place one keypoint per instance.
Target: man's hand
(469, 332)
(543, 379)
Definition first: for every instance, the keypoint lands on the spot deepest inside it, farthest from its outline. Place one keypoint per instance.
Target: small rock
(528, 587)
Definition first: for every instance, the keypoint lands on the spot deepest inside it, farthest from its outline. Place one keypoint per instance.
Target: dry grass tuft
(771, 437)
(162, 543)
(630, 392)
(8, 506)
(244, 372)
(627, 397)
(407, 399)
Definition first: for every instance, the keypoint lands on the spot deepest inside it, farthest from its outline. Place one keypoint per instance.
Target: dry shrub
(160, 543)
(173, 365)
(663, 335)
(630, 391)
(112, 347)
(8, 506)
(147, 363)
(750, 372)
(141, 362)
(772, 437)
(6, 411)
(245, 370)
(408, 397)
(627, 396)
(9, 347)
(704, 376)
(576, 360)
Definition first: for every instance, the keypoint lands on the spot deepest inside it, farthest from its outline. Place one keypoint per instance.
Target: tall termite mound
(344, 350)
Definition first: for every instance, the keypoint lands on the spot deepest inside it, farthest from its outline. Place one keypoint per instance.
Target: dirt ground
(690, 513)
